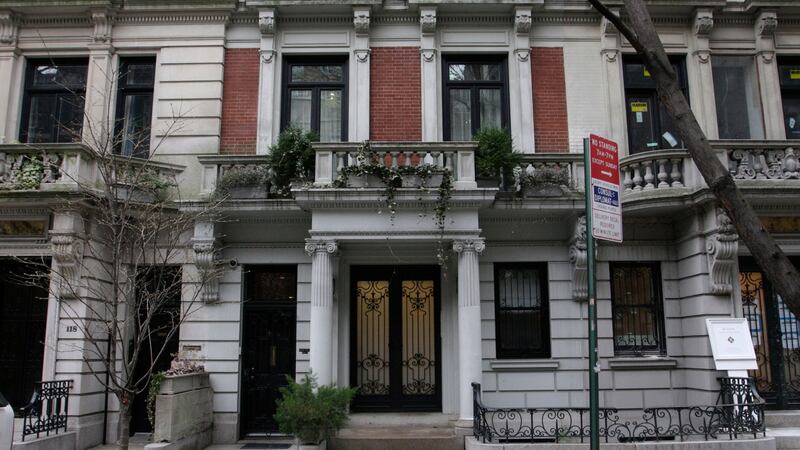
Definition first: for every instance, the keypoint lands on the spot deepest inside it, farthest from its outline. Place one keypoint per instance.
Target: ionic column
(321, 346)
(469, 322)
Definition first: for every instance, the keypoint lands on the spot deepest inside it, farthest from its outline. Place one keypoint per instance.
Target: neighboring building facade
(332, 280)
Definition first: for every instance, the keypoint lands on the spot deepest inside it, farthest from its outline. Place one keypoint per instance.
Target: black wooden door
(395, 345)
(23, 313)
(268, 344)
(776, 339)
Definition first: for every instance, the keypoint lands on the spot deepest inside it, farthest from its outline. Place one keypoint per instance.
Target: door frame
(390, 272)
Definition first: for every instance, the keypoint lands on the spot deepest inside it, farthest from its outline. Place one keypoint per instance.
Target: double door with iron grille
(395, 343)
(776, 338)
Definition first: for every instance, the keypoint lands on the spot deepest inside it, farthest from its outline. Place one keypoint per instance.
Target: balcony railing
(654, 170)
(47, 411)
(762, 160)
(457, 157)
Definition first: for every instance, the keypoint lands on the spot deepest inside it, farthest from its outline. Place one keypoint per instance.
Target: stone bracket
(204, 244)
(722, 246)
(68, 250)
(578, 258)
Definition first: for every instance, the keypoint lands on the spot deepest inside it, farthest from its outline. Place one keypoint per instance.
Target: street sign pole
(594, 397)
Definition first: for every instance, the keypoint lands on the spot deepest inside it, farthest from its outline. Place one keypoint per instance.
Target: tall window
(475, 95)
(789, 73)
(737, 97)
(135, 106)
(522, 322)
(315, 96)
(649, 125)
(52, 108)
(637, 308)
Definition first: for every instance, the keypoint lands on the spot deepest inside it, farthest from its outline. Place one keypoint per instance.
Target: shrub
(495, 155)
(292, 158)
(312, 413)
(246, 176)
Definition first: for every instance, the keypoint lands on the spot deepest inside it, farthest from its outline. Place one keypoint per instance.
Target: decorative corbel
(206, 263)
(266, 21)
(361, 21)
(428, 54)
(721, 248)
(703, 22)
(766, 24)
(523, 54)
(578, 257)
(427, 21)
(606, 27)
(522, 21)
(267, 56)
(9, 28)
(67, 250)
(103, 21)
(362, 55)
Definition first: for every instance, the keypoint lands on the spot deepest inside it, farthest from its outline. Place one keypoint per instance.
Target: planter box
(126, 192)
(415, 181)
(322, 446)
(487, 182)
(543, 190)
(184, 412)
(364, 181)
(248, 192)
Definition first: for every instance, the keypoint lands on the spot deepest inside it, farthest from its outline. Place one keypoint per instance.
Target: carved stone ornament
(362, 56)
(522, 22)
(361, 22)
(610, 55)
(68, 255)
(266, 22)
(314, 246)
(427, 22)
(469, 245)
(9, 28)
(767, 24)
(608, 28)
(767, 56)
(103, 21)
(523, 54)
(428, 54)
(205, 261)
(703, 56)
(703, 23)
(578, 258)
(722, 248)
(267, 56)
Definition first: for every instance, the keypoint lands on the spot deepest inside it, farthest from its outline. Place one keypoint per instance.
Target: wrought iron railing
(734, 421)
(47, 410)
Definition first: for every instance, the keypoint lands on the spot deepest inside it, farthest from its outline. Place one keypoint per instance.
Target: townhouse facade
(410, 310)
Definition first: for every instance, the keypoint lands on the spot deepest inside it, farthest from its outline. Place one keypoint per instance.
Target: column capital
(314, 246)
(427, 20)
(266, 21)
(469, 246)
(9, 28)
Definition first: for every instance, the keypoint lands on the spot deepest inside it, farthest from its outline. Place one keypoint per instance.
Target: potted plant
(495, 158)
(245, 182)
(545, 181)
(312, 413)
(292, 160)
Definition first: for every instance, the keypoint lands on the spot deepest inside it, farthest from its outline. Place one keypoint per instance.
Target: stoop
(387, 431)
(784, 426)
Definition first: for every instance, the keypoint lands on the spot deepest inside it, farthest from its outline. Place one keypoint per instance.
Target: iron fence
(47, 410)
(734, 421)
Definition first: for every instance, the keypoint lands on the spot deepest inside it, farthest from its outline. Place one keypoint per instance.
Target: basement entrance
(395, 344)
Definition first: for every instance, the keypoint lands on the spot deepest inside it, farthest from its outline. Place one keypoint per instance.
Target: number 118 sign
(606, 210)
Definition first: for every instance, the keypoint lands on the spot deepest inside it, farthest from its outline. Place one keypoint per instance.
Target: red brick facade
(240, 101)
(395, 94)
(551, 133)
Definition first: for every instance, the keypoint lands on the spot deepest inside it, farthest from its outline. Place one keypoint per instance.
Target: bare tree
(122, 290)
(639, 30)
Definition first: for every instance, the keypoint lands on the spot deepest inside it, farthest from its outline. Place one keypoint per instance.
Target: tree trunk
(126, 404)
(644, 38)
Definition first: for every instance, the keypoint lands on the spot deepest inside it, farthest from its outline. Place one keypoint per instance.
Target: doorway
(269, 317)
(395, 338)
(776, 338)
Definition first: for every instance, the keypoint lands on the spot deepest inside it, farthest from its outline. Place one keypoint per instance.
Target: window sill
(526, 365)
(643, 362)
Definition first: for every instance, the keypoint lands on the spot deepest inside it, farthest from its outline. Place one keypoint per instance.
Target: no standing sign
(606, 210)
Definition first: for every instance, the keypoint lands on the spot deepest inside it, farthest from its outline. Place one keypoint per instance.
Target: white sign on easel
(732, 346)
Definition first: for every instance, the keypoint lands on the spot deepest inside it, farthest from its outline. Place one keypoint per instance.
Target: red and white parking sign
(605, 190)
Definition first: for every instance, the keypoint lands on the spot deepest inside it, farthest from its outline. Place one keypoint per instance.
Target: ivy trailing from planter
(370, 163)
(152, 392)
(30, 174)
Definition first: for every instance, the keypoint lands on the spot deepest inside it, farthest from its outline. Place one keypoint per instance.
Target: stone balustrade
(215, 167)
(457, 157)
(654, 170)
(561, 168)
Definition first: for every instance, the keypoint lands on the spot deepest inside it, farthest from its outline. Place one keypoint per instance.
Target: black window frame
(656, 305)
(287, 85)
(62, 92)
(648, 89)
(503, 352)
(789, 90)
(123, 90)
(474, 86)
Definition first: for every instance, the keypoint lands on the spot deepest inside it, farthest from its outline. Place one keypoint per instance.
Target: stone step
(425, 420)
(786, 437)
(397, 438)
(775, 419)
